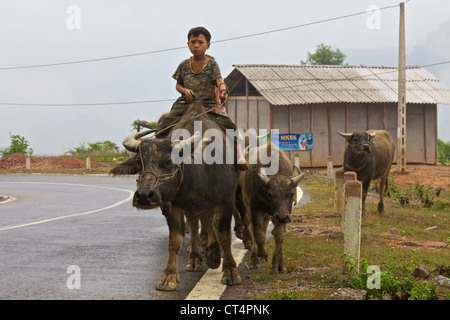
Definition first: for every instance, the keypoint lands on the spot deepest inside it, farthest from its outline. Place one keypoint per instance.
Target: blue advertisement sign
(293, 141)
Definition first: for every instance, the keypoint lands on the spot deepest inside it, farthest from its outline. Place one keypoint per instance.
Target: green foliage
(18, 145)
(142, 123)
(89, 147)
(443, 151)
(285, 295)
(417, 196)
(397, 279)
(324, 55)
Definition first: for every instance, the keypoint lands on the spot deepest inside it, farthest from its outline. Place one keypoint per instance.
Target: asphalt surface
(60, 221)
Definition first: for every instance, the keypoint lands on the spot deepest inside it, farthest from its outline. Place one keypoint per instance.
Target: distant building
(322, 99)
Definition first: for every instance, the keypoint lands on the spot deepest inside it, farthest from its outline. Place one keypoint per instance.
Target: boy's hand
(223, 94)
(189, 94)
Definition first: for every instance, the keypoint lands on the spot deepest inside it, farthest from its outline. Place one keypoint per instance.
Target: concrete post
(339, 191)
(88, 163)
(27, 163)
(348, 176)
(297, 161)
(330, 168)
(352, 221)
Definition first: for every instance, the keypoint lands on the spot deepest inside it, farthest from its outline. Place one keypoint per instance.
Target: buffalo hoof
(167, 282)
(231, 281)
(166, 286)
(194, 266)
(380, 209)
(213, 257)
(276, 269)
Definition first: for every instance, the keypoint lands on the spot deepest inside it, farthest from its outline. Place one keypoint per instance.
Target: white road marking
(131, 193)
(210, 286)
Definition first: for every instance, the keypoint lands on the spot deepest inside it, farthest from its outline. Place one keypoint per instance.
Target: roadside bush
(397, 280)
(18, 145)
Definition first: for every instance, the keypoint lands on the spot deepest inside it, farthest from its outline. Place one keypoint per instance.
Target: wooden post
(27, 163)
(401, 111)
(339, 192)
(352, 221)
(88, 163)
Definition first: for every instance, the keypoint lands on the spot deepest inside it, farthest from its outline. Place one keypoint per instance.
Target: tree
(443, 151)
(18, 145)
(324, 55)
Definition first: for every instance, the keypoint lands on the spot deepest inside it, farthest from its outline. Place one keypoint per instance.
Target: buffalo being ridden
(370, 155)
(268, 196)
(204, 192)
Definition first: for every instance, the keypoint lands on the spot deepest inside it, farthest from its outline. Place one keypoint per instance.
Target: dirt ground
(427, 175)
(17, 161)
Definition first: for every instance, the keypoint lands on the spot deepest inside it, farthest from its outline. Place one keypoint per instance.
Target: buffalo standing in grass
(370, 155)
(197, 191)
(268, 197)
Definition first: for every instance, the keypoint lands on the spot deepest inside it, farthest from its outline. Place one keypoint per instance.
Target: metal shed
(322, 99)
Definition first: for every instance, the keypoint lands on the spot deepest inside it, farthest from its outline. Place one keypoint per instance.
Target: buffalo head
(279, 192)
(159, 176)
(359, 143)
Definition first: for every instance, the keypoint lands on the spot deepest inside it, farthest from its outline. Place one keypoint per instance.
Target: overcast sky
(44, 32)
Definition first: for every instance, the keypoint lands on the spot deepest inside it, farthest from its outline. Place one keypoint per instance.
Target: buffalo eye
(138, 164)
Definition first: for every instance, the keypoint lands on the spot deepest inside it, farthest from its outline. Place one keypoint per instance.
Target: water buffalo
(201, 191)
(268, 197)
(370, 155)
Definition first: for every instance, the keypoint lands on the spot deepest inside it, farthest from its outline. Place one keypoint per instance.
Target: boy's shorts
(179, 110)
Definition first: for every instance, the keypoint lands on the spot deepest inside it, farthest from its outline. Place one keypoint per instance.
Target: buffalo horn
(373, 134)
(180, 144)
(295, 180)
(345, 135)
(131, 143)
(263, 178)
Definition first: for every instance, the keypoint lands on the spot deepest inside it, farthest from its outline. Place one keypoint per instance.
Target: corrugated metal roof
(300, 84)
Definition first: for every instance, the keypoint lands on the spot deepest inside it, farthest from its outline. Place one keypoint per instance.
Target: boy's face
(198, 45)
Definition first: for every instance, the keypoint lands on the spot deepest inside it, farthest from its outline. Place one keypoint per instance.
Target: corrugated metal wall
(324, 119)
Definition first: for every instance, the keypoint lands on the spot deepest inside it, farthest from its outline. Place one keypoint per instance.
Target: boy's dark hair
(195, 32)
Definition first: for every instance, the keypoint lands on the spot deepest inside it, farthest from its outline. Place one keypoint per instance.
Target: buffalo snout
(282, 218)
(146, 199)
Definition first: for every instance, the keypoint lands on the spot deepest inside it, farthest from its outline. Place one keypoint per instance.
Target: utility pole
(401, 117)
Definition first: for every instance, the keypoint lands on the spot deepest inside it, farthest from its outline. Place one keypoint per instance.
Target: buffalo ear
(125, 168)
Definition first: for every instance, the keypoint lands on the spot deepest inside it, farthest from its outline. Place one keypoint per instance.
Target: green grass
(402, 227)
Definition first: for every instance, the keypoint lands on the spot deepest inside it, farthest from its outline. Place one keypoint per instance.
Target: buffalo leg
(382, 189)
(170, 277)
(195, 260)
(277, 258)
(259, 234)
(242, 211)
(212, 248)
(365, 189)
(222, 222)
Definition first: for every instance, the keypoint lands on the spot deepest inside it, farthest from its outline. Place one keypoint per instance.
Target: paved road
(59, 221)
